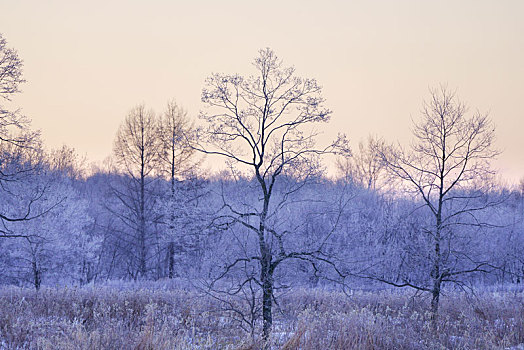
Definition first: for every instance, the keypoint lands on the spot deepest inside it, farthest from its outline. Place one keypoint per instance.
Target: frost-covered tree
(11, 120)
(447, 171)
(113, 259)
(364, 167)
(263, 126)
(177, 161)
(52, 246)
(66, 161)
(16, 139)
(505, 242)
(136, 150)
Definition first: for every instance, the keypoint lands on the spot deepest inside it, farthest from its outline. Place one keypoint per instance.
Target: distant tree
(447, 169)
(176, 161)
(66, 161)
(113, 259)
(54, 246)
(136, 152)
(69, 169)
(505, 243)
(263, 126)
(364, 167)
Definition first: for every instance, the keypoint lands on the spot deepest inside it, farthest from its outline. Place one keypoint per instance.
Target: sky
(87, 63)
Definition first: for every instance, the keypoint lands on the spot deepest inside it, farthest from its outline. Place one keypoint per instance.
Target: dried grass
(111, 318)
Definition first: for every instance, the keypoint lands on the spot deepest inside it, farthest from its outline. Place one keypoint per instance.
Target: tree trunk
(266, 273)
(171, 259)
(171, 246)
(267, 301)
(142, 234)
(142, 253)
(37, 279)
(436, 274)
(435, 297)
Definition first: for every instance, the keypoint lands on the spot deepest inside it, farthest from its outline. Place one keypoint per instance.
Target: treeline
(71, 229)
(79, 233)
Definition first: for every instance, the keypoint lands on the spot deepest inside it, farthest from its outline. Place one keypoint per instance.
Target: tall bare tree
(136, 152)
(177, 161)
(177, 157)
(447, 169)
(263, 125)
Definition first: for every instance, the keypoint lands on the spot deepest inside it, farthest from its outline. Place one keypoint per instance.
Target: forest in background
(429, 218)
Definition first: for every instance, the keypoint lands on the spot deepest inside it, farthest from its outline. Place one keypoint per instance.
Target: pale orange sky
(87, 63)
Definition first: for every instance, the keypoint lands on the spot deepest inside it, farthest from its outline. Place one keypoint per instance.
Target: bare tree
(13, 124)
(54, 242)
(136, 151)
(177, 158)
(10, 80)
(20, 148)
(177, 161)
(263, 126)
(66, 161)
(447, 169)
(364, 168)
